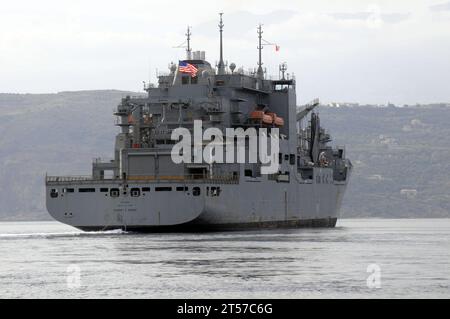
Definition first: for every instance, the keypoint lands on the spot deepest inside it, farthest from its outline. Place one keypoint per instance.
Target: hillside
(395, 149)
(400, 154)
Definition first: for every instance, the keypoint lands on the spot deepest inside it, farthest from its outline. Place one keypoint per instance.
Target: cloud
(441, 7)
(365, 16)
(391, 50)
(241, 22)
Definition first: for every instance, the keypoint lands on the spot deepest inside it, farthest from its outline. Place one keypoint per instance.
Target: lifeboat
(272, 116)
(257, 115)
(260, 116)
(278, 121)
(267, 119)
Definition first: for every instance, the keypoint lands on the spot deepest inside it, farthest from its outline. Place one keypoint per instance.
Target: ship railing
(72, 178)
(101, 160)
(191, 178)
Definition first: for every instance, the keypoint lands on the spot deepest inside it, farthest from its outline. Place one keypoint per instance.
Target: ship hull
(247, 204)
(193, 227)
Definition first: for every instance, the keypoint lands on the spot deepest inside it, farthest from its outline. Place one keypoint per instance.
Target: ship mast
(188, 48)
(260, 72)
(283, 69)
(221, 66)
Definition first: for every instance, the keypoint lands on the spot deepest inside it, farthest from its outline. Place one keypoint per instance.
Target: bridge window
(307, 173)
(54, 193)
(164, 142)
(114, 192)
(86, 190)
(182, 189)
(215, 191)
(135, 192)
(292, 159)
(163, 189)
(196, 191)
(185, 79)
(103, 190)
(146, 189)
(197, 172)
(68, 190)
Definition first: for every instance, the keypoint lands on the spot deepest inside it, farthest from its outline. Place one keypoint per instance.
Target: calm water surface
(50, 260)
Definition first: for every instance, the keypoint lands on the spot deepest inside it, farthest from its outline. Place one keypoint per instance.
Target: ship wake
(69, 234)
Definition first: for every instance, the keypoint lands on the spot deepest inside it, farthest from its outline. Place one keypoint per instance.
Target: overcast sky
(344, 51)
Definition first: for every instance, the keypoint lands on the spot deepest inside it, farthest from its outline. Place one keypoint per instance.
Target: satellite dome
(172, 67)
(232, 67)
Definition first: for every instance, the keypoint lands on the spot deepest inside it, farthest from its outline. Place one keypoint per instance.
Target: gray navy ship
(144, 189)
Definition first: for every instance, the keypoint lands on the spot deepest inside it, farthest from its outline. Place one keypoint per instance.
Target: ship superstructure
(144, 189)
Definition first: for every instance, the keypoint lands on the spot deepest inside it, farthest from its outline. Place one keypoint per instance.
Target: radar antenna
(221, 66)
(188, 37)
(260, 71)
(261, 44)
(187, 44)
(283, 69)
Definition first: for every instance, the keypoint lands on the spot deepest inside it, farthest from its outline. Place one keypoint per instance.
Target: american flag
(185, 67)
